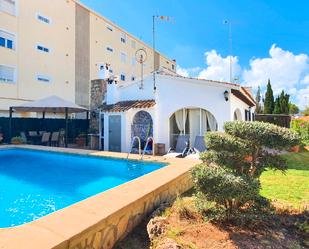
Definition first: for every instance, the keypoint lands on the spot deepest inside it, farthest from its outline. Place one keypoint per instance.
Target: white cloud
(218, 67)
(287, 71)
(284, 69)
(305, 80)
(302, 97)
(182, 71)
(188, 72)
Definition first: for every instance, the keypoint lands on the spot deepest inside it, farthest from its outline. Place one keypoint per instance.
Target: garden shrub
(229, 174)
(302, 128)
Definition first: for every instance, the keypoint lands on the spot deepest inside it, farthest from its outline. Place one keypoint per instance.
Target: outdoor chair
(199, 146)
(24, 137)
(181, 149)
(33, 133)
(61, 138)
(45, 138)
(54, 141)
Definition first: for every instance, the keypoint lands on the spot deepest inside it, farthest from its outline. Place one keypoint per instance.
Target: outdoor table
(36, 139)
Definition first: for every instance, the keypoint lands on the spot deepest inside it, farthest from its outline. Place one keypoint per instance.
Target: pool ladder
(132, 144)
(145, 148)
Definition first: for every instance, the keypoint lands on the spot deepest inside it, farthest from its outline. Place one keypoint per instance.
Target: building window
(109, 28)
(133, 61)
(132, 78)
(123, 37)
(43, 19)
(110, 49)
(122, 77)
(8, 6)
(7, 40)
(173, 67)
(7, 74)
(133, 44)
(123, 57)
(247, 115)
(43, 78)
(42, 48)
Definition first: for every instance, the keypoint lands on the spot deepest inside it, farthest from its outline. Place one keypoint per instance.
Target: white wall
(172, 94)
(236, 103)
(176, 93)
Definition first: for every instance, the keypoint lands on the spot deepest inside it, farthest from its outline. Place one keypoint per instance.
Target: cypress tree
(277, 109)
(284, 102)
(269, 100)
(258, 108)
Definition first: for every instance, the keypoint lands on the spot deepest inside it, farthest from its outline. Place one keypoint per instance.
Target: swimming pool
(36, 183)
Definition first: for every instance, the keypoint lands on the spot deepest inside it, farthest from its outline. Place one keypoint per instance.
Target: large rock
(156, 227)
(168, 243)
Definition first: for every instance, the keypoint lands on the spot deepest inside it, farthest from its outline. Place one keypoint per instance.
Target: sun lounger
(182, 147)
(199, 146)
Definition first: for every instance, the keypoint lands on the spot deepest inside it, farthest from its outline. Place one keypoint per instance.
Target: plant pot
(295, 148)
(16, 142)
(80, 141)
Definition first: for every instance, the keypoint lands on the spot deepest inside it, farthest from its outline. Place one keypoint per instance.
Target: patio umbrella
(52, 104)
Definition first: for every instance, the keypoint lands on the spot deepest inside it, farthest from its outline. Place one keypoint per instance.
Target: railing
(132, 144)
(145, 148)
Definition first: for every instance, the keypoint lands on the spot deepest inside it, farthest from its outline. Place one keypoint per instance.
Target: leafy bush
(223, 187)
(302, 128)
(234, 162)
(17, 140)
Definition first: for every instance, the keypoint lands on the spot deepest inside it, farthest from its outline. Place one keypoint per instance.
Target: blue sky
(198, 29)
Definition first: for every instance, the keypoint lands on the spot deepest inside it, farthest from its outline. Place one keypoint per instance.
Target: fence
(277, 119)
(75, 126)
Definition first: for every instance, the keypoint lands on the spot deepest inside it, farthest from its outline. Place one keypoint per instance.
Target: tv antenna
(141, 57)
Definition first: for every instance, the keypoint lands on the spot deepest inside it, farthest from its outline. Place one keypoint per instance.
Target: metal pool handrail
(145, 148)
(139, 146)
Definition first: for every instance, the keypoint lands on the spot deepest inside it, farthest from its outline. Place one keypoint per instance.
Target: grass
(292, 188)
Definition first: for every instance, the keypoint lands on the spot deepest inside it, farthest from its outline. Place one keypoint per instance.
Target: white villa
(178, 105)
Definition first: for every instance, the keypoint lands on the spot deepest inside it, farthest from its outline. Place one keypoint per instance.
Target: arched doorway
(237, 115)
(142, 126)
(191, 121)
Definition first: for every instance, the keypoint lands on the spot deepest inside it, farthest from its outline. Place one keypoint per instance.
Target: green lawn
(291, 188)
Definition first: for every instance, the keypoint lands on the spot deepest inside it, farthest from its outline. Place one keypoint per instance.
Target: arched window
(192, 122)
(142, 125)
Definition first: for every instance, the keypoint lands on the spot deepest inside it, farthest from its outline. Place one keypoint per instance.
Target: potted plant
(17, 140)
(81, 140)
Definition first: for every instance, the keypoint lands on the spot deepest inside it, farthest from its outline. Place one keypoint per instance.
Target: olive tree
(235, 159)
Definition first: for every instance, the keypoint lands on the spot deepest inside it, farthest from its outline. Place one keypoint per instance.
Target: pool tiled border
(101, 220)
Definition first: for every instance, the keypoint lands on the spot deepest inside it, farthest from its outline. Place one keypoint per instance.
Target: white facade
(173, 93)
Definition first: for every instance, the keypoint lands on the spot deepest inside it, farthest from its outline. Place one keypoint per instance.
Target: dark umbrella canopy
(50, 104)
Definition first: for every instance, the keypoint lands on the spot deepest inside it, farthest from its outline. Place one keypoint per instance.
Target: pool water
(36, 183)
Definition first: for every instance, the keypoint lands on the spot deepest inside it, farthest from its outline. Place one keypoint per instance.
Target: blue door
(114, 126)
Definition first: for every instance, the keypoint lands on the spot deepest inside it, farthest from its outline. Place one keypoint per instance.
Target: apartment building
(57, 49)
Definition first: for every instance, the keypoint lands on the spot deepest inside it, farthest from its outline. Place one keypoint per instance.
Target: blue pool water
(36, 183)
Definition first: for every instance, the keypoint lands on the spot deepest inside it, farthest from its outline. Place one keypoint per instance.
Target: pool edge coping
(61, 226)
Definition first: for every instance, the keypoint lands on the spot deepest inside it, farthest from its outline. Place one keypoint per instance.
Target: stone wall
(97, 95)
(114, 228)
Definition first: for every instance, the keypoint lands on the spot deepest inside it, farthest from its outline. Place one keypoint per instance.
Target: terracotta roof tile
(123, 106)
